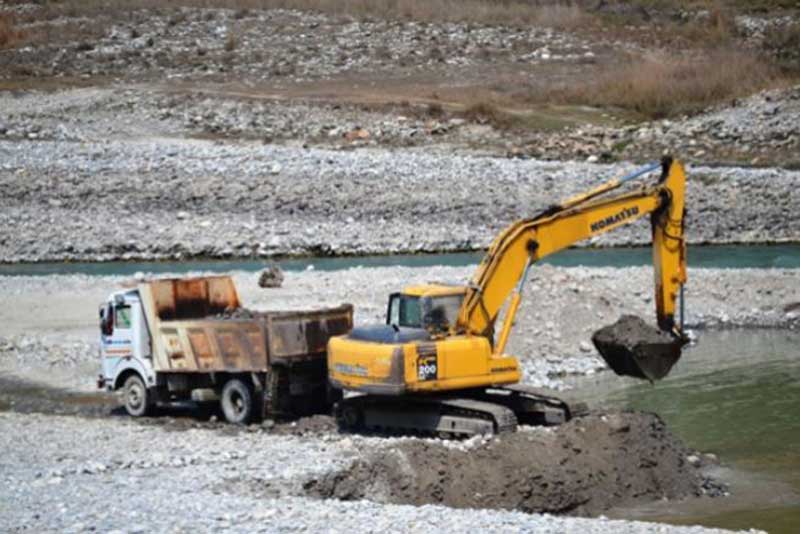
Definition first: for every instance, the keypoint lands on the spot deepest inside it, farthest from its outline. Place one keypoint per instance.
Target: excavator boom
(504, 268)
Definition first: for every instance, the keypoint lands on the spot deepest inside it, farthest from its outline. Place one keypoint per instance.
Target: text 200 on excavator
(436, 367)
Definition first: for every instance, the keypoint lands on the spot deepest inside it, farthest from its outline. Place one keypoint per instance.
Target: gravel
(135, 478)
(158, 199)
(223, 44)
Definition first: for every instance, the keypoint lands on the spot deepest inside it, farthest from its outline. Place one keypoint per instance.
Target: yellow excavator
(436, 367)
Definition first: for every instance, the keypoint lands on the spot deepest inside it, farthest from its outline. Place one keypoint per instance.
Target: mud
(584, 467)
(631, 347)
(24, 396)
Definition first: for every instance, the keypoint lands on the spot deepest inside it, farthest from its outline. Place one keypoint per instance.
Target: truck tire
(237, 402)
(137, 399)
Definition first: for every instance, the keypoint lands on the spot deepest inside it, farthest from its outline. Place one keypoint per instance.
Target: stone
(271, 277)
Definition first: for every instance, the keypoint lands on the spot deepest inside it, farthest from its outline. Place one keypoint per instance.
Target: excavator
(438, 367)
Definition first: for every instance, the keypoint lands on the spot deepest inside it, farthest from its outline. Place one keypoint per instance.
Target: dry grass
(784, 44)
(230, 42)
(10, 35)
(660, 86)
(718, 29)
(484, 112)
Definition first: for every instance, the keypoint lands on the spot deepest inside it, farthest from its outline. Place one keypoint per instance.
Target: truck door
(117, 330)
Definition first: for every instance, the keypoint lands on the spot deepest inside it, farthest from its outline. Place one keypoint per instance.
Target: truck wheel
(237, 402)
(137, 399)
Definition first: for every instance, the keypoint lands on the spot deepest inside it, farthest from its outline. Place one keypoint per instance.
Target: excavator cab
(433, 308)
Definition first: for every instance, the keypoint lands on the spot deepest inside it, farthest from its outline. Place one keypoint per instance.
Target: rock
(271, 277)
(358, 133)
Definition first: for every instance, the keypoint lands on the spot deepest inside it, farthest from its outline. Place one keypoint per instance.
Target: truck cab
(124, 340)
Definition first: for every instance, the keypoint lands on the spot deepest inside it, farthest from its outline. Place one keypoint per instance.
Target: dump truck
(190, 339)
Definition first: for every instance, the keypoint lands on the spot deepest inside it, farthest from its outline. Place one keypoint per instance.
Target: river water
(724, 256)
(736, 394)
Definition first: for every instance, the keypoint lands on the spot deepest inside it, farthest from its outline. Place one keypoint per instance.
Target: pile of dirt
(588, 465)
(631, 347)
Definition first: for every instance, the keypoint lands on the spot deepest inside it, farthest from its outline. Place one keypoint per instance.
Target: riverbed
(48, 333)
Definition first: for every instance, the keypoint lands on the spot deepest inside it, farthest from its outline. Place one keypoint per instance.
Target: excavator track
(532, 406)
(427, 415)
(479, 411)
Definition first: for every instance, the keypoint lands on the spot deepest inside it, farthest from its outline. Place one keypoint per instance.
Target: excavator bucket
(631, 347)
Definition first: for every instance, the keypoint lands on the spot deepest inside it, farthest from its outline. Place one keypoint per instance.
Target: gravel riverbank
(179, 198)
(136, 478)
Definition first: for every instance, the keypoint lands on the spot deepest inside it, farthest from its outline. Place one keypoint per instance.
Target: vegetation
(700, 60)
(9, 33)
(660, 85)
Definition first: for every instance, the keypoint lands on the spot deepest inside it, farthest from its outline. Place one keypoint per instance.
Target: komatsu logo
(626, 213)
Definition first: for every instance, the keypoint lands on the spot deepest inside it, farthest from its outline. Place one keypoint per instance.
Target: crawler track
(473, 412)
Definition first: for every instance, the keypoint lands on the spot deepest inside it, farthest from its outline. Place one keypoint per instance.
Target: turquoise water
(735, 394)
(724, 256)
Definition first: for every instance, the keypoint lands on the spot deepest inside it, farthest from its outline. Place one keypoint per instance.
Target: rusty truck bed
(194, 328)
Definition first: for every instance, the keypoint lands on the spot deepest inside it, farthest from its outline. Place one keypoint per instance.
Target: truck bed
(198, 325)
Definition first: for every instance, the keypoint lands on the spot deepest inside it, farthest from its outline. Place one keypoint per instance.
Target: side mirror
(106, 319)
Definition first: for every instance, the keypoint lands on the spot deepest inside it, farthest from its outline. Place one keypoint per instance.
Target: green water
(724, 256)
(736, 394)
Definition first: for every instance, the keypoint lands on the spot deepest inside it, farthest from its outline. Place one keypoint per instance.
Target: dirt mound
(631, 347)
(583, 467)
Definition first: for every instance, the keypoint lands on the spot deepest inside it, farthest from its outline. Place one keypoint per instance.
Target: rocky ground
(151, 479)
(760, 131)
(189, 131)
(167, 198)
(273, 476)
(168, 133)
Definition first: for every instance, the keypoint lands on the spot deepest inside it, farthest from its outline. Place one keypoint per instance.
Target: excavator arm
(504, 268)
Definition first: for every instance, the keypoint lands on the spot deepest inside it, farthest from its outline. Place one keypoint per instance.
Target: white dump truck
(183, 339)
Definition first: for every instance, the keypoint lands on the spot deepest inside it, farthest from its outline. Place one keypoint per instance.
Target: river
(723, 256)
(736, 394)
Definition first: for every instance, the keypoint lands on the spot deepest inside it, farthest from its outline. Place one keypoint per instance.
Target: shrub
(9, 33)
